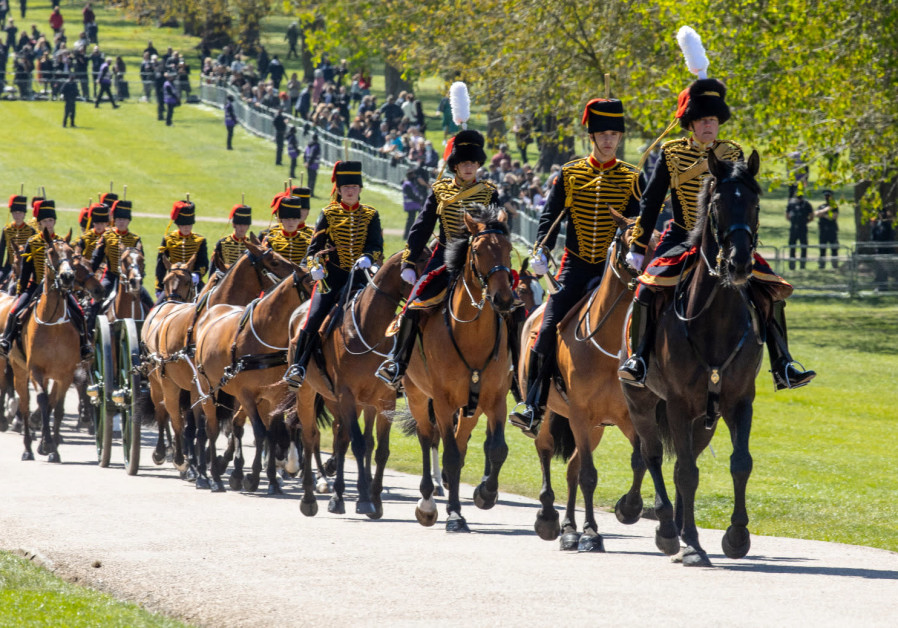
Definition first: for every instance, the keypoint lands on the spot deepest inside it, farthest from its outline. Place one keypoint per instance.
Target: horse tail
(560, 428)
(409, 426)
(145, 409)
(225, 407)
(664, 432)
(286, 408)
(323, 417)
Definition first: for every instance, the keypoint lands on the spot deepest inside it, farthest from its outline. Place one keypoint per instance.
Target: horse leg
(546, 524)
(570, 537)
(453, 459)
(260, 435)
(495, 451)
(628, 508)
(21, 385)
(652, 449)
(201, 420)
(209, 426)
(686, 476)
(590, 540)
(436, 473)
(188, 436)
(364, 505)
(381, 456)
(308, 430)
(235, 480)
(161, 416)
(58, 395)
(418, 405)
(737, 540)
(171, 400)
(370, 416)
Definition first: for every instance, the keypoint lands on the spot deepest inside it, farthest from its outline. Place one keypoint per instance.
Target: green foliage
(31, 596)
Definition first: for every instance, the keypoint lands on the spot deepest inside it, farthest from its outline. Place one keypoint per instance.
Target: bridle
(722, 239)
(133, 272)
(191, 287)
(484, 296)
(262, 272)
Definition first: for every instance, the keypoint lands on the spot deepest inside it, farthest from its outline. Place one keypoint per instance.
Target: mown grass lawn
(32, 596)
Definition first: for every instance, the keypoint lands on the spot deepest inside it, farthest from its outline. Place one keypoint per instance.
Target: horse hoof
(202, 482)
(189, 474)
(691, 557)
(736, 542)
(569, 541)
(54, 457)
(378, 511)
(483, 499)
(364, 508)
(27, 456)
(438, 490)
(668, 545)
(235, 482)
(627, 513)
(591, 543)
(330, 467)
(456, 523)
(426, 519)
(274, 488)
(158, 457)
(547, 527)
(220, 465)
(250, 483)
(41, 449)
(217, 487)
(17, 425)
(323, 487)
(309, 509)
(336, 506)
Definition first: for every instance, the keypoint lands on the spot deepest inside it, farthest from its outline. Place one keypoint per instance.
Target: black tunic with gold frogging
(352, 232)
(682, 169)
(293, 247)
(587, 189)
(12, 240)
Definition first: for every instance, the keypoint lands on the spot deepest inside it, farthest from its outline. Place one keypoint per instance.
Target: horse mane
(739, 170)
(457, 249)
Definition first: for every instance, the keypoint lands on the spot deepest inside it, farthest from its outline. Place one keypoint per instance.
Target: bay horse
(463, 368)
(587, 398)
(243, 352)
(352, 352)
(706, 355)
(49, 346)
(170, 340)
(127, 303)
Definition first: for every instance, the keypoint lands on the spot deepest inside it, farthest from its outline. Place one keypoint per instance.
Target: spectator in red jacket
(56, 20)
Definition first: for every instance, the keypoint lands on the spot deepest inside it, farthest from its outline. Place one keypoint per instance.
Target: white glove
(195, 277)
(409, 276)
(539, 264)
(363, 262)
(635, 260)
(158, 295)
(317, 273)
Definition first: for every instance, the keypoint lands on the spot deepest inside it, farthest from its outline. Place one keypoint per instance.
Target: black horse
(705, 358)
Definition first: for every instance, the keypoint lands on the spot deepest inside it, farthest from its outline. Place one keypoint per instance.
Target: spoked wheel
(102, 372)
(129, 389)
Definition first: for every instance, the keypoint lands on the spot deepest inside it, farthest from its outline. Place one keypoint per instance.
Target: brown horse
(49, 346)
(169, 340)
(352, 352)
(243, 352)
(463, 366)
(127, 303)
(587, 398)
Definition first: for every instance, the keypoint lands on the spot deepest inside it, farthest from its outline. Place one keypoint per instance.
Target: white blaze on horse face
(292, 465)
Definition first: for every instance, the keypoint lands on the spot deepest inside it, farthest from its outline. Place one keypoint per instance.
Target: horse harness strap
(476, 375)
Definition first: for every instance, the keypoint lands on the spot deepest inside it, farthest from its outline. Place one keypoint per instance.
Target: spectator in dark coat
(11, 31)
(170, 96)
(414, 192)
(104, 82)
(159, 80)
(230, 120)
(280, 130)
(70, 96)
(262, 63)
(305, 102)
(277, 71)
(292, 150)
(312, 159)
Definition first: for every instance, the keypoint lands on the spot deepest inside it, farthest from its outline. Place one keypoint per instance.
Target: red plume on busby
(83, 217)
(18, 203)
(44, 208)
(241, 214)
(603, 114)
(108, 198)
(183, 213)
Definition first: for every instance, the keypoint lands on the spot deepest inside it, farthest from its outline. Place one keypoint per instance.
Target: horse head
(131, 269)
(729, 217)
(85, 279)
(268, 264)
(177, 285)
(488, 261)
(59, 264)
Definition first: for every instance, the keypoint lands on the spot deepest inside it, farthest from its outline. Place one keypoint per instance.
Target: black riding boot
(77, 317)
(392, 370)
(92, 313)
(514, 321)
(785, 372)
(633, 371)
(8, 333)
(539, 376)
(304, 347)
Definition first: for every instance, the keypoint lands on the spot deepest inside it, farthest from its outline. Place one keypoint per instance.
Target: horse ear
(166, 262)
(470, 223)
(618, 218)
(525, 265)
(192, 261)
(68, 237)
(714, 165)
(754, 163)
(254, 239)
(218, 261)
(46, 235)
(502, 216)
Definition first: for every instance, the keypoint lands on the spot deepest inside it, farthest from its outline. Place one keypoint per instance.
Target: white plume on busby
(693, 51)
(460, 103)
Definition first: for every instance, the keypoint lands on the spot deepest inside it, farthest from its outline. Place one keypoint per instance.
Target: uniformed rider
(109, 249)
(94, 221)
(15, 235)
(181, 244)
(291, 236)
(229, 248)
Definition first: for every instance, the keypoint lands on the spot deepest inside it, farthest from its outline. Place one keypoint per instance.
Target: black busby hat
(241, 214)
(98, 212)
(108, 198)
(121, 209)
(705, 97)
(347, 173)
(84, 217)
(289, 207)
(303, 194)
(467, 145)
(18, 203)
(44, 209)
(603, 114)
(183, 213)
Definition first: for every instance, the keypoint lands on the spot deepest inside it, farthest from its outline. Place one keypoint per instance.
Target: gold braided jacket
(88, 242)
(16, 237)
(589, 191)
(230, 249)
(348, 230)
(36, 254)
(293, 247)
(111, 241)
(180, 248)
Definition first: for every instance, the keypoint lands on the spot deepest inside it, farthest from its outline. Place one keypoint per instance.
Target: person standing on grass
(312, 158)
(280, 130)
(276, 71)
(104, 84)
(70, 96)
(291, 38)
(292, 150)
(230, 120)
(828, 222)
(170, 97)
(23, 7)
(56, 20)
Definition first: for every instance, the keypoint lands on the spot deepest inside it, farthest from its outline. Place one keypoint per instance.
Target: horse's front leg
(453, 459)
(210, 427)
(381, 456)
(260, 435)
(308, 432)
(628, 508)
(495, 451)
(590, 540)
(737, 539)
(235, 480)
(686, 475)
(24, 394)
(364, 505)
(46, 447)
(546, 524)
(418, 405)
(201, 419)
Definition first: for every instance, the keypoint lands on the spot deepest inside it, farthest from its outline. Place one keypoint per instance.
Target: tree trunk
(861, 226)
(394, 81)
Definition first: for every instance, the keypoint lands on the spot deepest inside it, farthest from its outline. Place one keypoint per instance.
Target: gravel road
(250, 560)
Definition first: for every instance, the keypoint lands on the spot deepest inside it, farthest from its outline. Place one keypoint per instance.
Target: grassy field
(28, 593)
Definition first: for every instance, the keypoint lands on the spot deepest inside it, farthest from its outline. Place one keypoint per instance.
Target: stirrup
(629, 374)
(294, 376)
(391, 379)
(528, 425)
(782, 381)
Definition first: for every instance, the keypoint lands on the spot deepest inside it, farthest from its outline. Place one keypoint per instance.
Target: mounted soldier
(180, 245)
(583, 192)
(30, 284)
(681, 172)
(291, 237)
(15, 234)
(231, 247)
(94, 220)
(347, 237)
